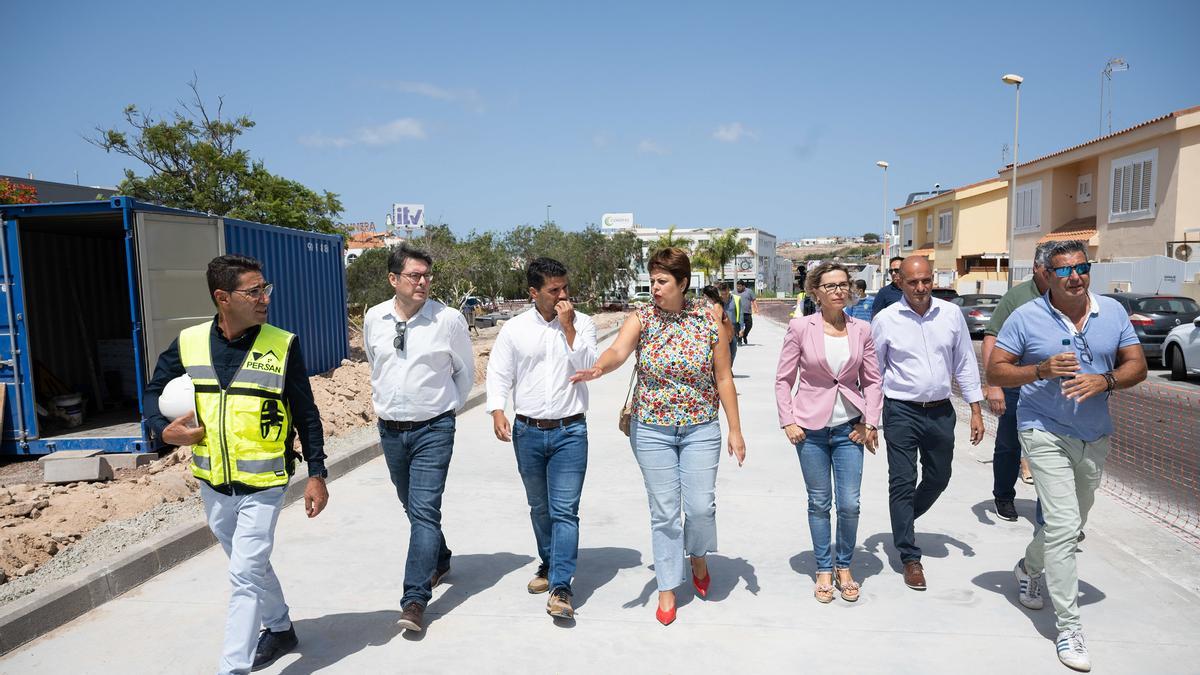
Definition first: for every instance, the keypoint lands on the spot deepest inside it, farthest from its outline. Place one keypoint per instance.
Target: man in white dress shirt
(422, 369)
(533, 358)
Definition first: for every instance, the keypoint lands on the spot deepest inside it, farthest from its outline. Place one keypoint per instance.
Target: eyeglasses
(1065, 271)
(401, 334)
(257, 293)
(1085, 352)
(894, 270)
(416, 278)
(830, 288)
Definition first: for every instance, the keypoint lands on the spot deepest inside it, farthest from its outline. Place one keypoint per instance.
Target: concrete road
(342, 575)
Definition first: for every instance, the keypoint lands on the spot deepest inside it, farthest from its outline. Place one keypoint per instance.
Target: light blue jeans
(679, 464)
(245, 526)
(824, 452)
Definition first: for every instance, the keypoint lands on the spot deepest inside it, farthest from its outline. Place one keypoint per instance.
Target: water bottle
(1066, 343)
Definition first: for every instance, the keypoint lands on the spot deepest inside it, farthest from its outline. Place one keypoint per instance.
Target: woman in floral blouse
(683, 373)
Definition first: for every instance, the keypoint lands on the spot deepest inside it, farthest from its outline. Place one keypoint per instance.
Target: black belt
(550, 424)
(922, 404)
(393, 425)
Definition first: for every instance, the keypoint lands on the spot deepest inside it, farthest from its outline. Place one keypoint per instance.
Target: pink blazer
(803, 359)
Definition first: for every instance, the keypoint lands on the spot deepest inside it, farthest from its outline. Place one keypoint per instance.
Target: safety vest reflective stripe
(259, 378)
(201, 372)
(202, 461)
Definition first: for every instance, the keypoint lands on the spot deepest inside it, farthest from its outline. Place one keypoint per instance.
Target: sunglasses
(401, 334)
(1085, 352)
(257, 293)
(1065, 271)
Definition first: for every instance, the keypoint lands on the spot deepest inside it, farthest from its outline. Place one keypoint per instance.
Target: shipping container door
(173, 253)
(16, 378)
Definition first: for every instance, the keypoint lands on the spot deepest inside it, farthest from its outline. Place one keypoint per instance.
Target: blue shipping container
(94, 291)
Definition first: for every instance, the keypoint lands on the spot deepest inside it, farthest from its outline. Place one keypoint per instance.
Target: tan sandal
(823, 591)
(848, 586)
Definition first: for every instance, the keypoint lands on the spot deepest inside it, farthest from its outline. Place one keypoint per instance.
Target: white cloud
(468, 97)
(649, 147)
(733, 132)
(403, 129)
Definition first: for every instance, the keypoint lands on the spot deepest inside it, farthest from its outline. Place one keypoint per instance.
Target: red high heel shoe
(701, 585)
(665, 617)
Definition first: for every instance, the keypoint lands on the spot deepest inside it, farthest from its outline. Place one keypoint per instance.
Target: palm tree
(724, 248)
(669, 240)
(703, 260)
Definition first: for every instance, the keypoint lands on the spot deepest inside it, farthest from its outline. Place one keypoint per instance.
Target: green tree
(725, 248)
(669, 240)
(871, 237)
(194, 164)
(367, 281)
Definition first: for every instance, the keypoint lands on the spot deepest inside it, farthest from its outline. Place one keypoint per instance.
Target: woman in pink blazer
(828, 358)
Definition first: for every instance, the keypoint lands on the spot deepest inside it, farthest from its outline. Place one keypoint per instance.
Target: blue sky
(697, 114)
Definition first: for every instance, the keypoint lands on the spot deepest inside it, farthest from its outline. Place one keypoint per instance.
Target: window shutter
(1144, 188)
(1118, 176)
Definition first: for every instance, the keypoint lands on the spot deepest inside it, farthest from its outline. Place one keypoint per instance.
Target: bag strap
(632, 380)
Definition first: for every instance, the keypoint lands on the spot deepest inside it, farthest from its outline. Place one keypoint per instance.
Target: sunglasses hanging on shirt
(401, 335)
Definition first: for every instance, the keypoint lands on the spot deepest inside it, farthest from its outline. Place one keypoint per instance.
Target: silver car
(977, 309)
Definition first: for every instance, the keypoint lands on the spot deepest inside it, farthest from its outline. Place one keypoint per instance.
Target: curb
(38, 613)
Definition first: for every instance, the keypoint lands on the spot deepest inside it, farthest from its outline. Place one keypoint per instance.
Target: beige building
(961, 231)
(1131, 194)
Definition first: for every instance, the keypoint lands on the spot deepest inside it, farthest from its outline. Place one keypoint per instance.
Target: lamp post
(547, 215)
(887, 241)
(1016, 81)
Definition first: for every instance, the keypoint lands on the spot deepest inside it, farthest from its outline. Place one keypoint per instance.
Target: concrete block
(77, 469)
(129, 460)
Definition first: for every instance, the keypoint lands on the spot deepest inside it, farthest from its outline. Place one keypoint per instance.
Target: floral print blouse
(675, 366)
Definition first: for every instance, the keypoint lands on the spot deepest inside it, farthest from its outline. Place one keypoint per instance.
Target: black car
(1153, 316)
(947, 294)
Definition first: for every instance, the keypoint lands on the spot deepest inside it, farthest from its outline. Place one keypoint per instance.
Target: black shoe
(1006, 510)
(1082, 536)
(272, 645)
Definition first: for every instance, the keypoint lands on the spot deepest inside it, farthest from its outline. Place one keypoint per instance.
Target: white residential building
(759, 268)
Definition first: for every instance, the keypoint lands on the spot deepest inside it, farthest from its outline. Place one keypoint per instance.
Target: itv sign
(408, 215)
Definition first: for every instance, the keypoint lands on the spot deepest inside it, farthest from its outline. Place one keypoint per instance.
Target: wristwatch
(871, 427)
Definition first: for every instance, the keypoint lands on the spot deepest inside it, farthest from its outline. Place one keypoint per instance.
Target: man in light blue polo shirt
(1067, 350)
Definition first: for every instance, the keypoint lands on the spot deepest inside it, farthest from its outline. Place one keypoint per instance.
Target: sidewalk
(342, 576)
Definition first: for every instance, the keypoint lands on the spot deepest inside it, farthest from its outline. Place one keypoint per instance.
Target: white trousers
(245, 526)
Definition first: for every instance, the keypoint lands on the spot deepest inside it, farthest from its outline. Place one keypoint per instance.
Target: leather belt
(393, 425)
(551, 424)
(923, 404)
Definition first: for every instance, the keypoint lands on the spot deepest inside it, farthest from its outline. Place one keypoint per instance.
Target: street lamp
(547, 215)
(887, 241)
(1016, 81)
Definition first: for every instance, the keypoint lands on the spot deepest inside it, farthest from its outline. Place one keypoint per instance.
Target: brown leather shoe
(559, 604)
(539, 583)
(412, 618)
(438, 577)
(914, 575)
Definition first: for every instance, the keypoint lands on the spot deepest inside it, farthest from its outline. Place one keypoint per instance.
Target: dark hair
(541, 268)
(712, 293)
(225, 271)
(401, 255)
(673, 261)
(741, 282)
(860, 284)
(1066, 247)
(725, 286)
(894, 259)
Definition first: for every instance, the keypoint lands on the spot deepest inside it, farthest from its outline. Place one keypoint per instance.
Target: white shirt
(531, 362)
(432, 375)
(1093, 310)
(837, 353)
(918, 354)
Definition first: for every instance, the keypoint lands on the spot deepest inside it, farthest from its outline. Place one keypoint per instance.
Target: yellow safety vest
(247, 424)
(737, 307)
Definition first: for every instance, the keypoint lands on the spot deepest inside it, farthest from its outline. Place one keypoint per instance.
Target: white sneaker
(1072, 650)
(1031, 587)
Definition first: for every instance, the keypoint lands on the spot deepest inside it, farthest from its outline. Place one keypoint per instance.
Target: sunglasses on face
(401, 334)
(1080, 269)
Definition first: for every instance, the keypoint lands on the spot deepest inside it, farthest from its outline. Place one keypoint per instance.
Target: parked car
(1153, 316)
(1181, 350)
(947, 294)
(977, 309)
(641, 298)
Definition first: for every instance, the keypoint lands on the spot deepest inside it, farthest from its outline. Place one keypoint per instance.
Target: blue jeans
(418, 461)
(552, 464)
(824, 451)
(679, 464)
(1006, 460)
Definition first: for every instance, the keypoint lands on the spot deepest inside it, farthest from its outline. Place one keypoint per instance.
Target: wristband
(1112, 381)
(1037, 371)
